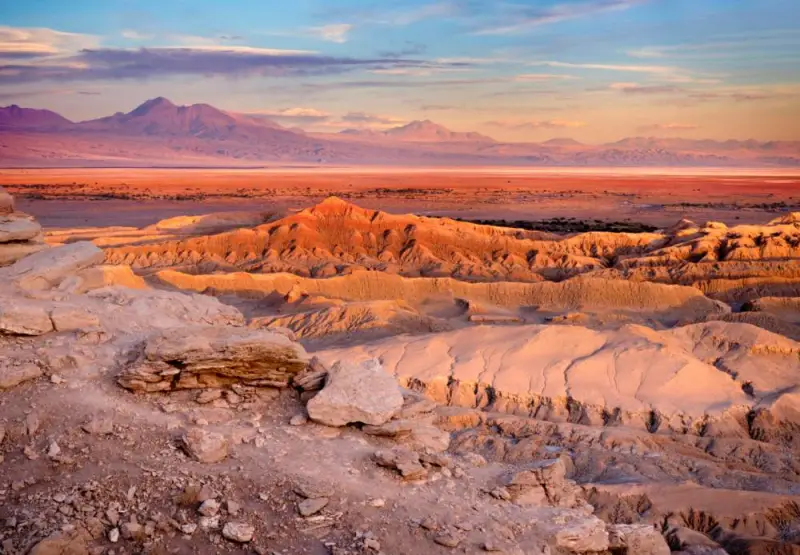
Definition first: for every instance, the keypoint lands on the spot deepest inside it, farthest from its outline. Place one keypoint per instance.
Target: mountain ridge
(161, 132)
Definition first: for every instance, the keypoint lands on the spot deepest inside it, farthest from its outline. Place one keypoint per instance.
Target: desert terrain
(364, 361)
(656, 197)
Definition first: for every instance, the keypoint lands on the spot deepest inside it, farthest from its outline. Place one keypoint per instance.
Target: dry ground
(657, 197)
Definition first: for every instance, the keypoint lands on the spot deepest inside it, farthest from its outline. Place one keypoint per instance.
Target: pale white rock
(586, 535)
(638, 539)
(71, 318)
(12, 252)
(16, 227)
(239, 532)
(46, 269)
(24, 317)
(356, 393)
(209, 507)
(205, 446)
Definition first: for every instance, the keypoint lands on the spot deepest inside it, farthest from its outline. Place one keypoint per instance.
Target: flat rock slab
(353, 393)
(16, 227)
(11, 376)
(201, 357)
(23, 317)
(48, 268)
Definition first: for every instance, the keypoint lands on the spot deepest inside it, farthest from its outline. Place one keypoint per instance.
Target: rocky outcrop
(48, 268)
(353, 393)
(20, 234)
(191, 358)
(545, 483)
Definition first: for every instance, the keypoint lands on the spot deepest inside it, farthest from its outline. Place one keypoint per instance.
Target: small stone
(113, 535)
(232, 398)
(56, 379)
(32, 424)
(208, 396)
(188, 529)
(377, 503)
(98, 426)
(209, 522)
(30, 452)
(131, 530)
(311, 490)
(475, 459)
(209, 507)
(491, 546)
(239, 532)
(373, 544)
(205, 446)
(54, 450)
(501, 494)
(113, 516)
(447, 539)
(298, 420)
(311, 507)
(232, 507)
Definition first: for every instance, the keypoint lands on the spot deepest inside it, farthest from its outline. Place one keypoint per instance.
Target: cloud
(371, 120)
(656, 127)
(520, 19)
(336, 32)
(205, 60)
(538, 124)
(296, 115)
(539, 77)
(130, 34)
(610, 67)
(635, 88)
(21, 42)
(410, 49)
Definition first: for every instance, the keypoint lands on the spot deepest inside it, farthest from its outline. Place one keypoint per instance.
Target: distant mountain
(421, 132)
(28, 118)
(159, 132)
(562, 141)
(160, 117)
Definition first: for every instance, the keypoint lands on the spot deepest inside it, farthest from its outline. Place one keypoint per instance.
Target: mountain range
(160, 133)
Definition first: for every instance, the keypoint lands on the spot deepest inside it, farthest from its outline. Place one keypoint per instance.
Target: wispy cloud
(294, 116)
(46, 55)
(539, 77)
(336, 32)
(635, 88)
(658, 69)
(20, 42)
(383, 14)
(538, 124)
(668, 127)
(519, 19)
(131, 34)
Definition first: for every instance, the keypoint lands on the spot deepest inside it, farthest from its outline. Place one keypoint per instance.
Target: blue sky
(518, 70)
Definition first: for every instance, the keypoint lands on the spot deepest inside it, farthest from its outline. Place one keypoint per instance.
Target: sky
(516, 70)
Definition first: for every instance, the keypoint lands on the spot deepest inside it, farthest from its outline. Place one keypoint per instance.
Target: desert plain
(376, 360)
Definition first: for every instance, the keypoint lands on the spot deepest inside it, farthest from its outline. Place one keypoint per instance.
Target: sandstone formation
(20, 235)
(190, 358)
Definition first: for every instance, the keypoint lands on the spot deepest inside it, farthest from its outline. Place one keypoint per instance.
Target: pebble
(298, 420)
(311, 507)
(239, 532)
(54, 450)
(208, 396)
(447, 539)
(210, 507)
(113, 535)
(373, 544)
(56, 379)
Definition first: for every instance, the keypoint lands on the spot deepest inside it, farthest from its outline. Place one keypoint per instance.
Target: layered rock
(191, 358)
(20, 234)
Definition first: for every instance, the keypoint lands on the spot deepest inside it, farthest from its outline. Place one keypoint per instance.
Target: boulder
(353, 393)
(406, 462)
(418, 433)
(199, 357)
(23, 317)
(584, 535)
(12, 252)
(636, 539)
(48, 268)
(204, 446)
(239, 532)
(16, 227)
(11, 376)
(545, 483)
